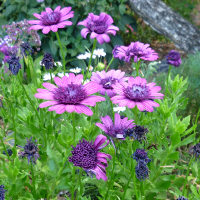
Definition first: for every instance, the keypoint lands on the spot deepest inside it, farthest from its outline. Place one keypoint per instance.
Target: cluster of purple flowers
(141, 169)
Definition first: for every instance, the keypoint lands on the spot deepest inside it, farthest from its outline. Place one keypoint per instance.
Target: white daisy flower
(59, 64)
(61, 74)
(85, 56)
(99, 52)
(47, 76)
(90, 68)
(75, 70)
(119, 109)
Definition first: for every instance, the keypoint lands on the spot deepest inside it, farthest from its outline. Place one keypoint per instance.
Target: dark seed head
(182, 198)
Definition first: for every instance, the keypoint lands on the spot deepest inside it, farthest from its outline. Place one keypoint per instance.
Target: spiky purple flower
(196, 150)
(137, 132)
(182, 198)
(50, 20)
(136, 51)
(99, 27)
(141, 170)
(69, 95)
(14, 64)
(137, 92)
(30, 151)
(106, 80)
(141, 155)
(87, 156)
(48, 61)
(174, 58)
(117, 129)
(2, 192)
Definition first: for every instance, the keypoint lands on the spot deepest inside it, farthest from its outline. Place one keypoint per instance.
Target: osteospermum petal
(69, 95)
(87, 156)
(135, 51)
(50, 20)
(118, 128)
(137, 92)
(99, 27)
(106, 80)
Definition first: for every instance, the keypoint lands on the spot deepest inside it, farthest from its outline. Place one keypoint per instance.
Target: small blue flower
(141, 170)
(181, 198)
(9, 151)
(2, 192)
(141, 155)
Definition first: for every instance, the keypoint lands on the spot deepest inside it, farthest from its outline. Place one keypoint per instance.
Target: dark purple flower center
(98, 26)
(51, 19)
(84, 155)
(72, 94)
(108, 82)
(137, 92)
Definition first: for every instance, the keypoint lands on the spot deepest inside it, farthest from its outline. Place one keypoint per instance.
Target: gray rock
(168, 23)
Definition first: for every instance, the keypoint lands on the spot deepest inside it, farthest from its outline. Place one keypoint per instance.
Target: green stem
(111, 182)
(33, 180)
(62, 51)
(73, 183)
(29, 99)
(168, 76)
(137, 66)
(74, 126)
(187, 174)
(126, 187)
(109, 63)
(113, 113)
(51, 76)
(1, 138)
(90, 61)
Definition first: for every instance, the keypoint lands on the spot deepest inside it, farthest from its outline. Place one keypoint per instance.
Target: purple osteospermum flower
(141, 170)
(116, 130)
(2, 192)
(141, 154)
(50, 20)
(69, 95)
(182, 198)
(30, 151)
(87, 156)
(137, 92)
(106, 80)
(136, 50)
(99, 27)
(174, 58)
